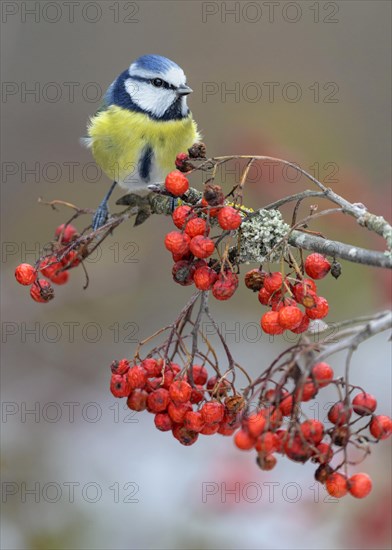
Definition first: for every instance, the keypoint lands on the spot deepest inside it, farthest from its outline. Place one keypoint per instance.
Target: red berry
(201, 247)
(290, 317)
(210, 429)
(305, 292)
(25, 274)
(266, 462)
(163, 422)
(244, 441)
(212, 412)
(381, 426)
(137, 400)
(200, 374)
(152, 367)
(180, 391)
(339, 413)
(364, 404)
(229, 218)
(317, 266)
(41, 291)
(71, 259)
(176, 183)
(312, 430)
(137, 377)
(177, 243)
(181, 215)
(267, 443)
(158, 400)
(49, 266)
(274, 395)
(119, 385)
(336, 485)
(204, 277)
(255, 424)
(67, 232)
(360, 485)
(193, 421)
(273, 281)
(120, 367)
(307, 392)
(197, 394)
(60, 278)
(264, 297)
(319, 310)
(196, 226)
(177, 411)
(218, 387)
(324, 453)
(226, 429)
(322, 374)
(296, 449)
(277, 302)
(270, 323)
(225, 286)
(184, 436)
(182, 163)
(303, 326)
(286, 406)
(183, 272)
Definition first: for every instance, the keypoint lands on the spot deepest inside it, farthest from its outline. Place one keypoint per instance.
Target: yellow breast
(118, 137)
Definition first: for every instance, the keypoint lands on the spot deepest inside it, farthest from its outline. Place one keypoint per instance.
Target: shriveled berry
(120, 367)
(193, 420)
(204, 277)
(196, 226)
(25, 274)
(317, 266)
(158, 400)
(184, 436)
(177, 243)
(254, 279)
(181, 215)
(273, 281)
(212, 412)
(229, 218)
(183, 272)
(182, 162)
(41, 291)
(201, 247)
(340, 436)
(319, 310)
(324, 453)
(266, 462)
(163, 422)
(137, 400)
(176, 183)
(177, 411)
(218, 387)
(336, 485)
(290, 317)
(180, 391)
(137, 377)
(119, 386)
(323, 472)
(225, 286)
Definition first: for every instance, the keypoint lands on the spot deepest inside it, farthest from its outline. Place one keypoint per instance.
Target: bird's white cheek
(148, 98)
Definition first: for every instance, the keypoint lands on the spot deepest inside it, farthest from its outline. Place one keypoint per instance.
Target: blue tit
(143, 124)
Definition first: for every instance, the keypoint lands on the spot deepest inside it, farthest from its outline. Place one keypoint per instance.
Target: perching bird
(142, 125)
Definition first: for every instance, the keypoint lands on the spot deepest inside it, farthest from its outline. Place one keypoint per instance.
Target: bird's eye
(157, 82)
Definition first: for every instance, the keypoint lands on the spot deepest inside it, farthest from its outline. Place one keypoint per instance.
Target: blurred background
(306, 81)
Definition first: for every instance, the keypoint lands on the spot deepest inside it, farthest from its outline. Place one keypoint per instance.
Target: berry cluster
(192, 247)
(187, 405)
(284, 295)
(54, 266)
(191, 403)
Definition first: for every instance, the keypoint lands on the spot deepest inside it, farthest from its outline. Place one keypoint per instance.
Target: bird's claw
(101, 216)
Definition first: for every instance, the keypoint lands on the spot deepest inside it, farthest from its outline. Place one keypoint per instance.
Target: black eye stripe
(151, 80)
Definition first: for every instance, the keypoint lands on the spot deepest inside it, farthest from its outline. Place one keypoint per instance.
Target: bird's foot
(101, 215)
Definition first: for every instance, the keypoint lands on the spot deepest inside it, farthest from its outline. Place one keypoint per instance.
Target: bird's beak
(184, 90)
